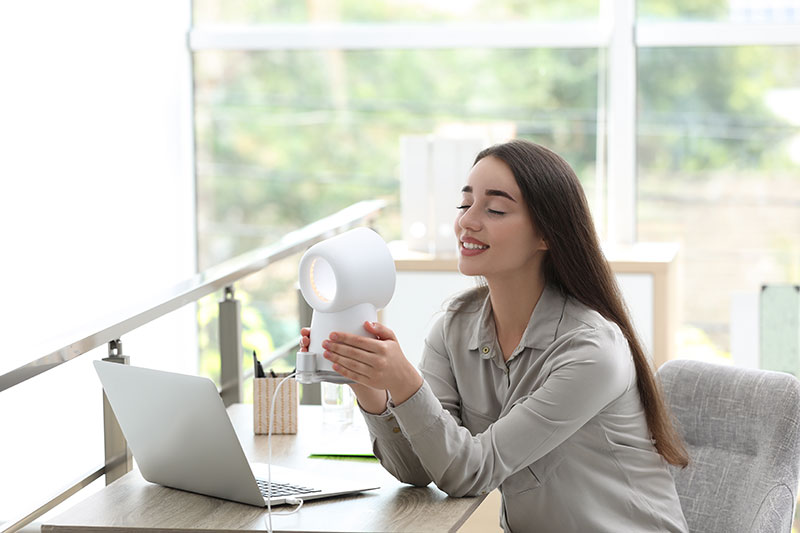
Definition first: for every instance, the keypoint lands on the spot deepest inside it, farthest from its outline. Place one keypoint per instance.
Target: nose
(469, 220)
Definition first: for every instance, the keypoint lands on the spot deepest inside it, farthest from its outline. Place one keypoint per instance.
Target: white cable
(269, 456)
(292, 501)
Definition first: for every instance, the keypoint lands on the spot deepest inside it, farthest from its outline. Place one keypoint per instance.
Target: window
(300, 109)
(210, 12)
(719, 171)
(287, 132)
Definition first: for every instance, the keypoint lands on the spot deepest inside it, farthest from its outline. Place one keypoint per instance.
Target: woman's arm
(388, 443)
(589, 370)
(372, 401)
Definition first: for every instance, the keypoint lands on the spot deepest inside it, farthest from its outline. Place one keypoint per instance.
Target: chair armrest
(776, 511)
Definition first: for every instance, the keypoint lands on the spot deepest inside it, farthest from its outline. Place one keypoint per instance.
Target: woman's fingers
(357, 341)
(366, 343)
(379, 330)
(352, 365)
(347, 351)
(350, 374)
(368, 360)
(305, 341)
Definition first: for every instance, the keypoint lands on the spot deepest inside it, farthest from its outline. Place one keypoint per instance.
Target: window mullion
(621, 115)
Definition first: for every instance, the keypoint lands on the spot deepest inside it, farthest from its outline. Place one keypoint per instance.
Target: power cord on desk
(290, 500)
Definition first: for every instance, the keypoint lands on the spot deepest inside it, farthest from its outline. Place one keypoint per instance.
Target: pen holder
(286, 406)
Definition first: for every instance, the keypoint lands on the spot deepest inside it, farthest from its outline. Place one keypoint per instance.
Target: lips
(472, 240)
(471, 247)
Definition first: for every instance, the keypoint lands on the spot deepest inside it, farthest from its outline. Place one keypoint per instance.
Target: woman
(534, 383)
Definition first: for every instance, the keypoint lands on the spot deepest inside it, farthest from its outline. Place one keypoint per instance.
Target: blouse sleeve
(389, 444)
(588, 371)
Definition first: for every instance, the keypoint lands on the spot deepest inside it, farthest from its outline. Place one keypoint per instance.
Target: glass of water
(338, 403)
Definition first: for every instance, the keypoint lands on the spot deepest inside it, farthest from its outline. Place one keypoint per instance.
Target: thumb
(379, 330)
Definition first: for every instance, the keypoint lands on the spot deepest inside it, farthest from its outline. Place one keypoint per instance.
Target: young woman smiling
(535, 382)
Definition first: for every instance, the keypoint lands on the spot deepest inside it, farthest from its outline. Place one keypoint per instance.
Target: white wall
(96, 210)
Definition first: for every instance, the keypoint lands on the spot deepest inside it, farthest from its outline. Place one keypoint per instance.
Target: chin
(468, 271)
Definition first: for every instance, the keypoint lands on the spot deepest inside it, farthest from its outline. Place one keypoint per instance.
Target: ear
(543, 245)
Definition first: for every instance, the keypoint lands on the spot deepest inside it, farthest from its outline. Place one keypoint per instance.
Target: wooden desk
(131, 504)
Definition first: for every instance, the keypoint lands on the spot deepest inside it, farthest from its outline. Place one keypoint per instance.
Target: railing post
(230, 347)
(118, 456)
(312, 394)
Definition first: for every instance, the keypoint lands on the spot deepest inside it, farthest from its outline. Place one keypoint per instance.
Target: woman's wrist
(371, 400)
(406, 387)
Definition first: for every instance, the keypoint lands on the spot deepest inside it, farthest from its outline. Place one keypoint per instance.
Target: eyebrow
(491, 192)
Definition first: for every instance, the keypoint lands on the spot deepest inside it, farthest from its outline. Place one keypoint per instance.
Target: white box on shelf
(433, 170)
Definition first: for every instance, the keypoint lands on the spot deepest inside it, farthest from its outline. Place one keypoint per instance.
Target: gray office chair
(742, 430)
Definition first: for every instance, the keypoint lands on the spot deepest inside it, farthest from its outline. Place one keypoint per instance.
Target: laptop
(181, 437)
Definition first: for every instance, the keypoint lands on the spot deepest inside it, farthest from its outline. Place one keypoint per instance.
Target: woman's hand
(305, 339)
(370, 399)
(378, 363)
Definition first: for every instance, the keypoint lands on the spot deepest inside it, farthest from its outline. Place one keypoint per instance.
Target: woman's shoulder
(584, 334)
(460, 313)
(468, 301)
(578, 318)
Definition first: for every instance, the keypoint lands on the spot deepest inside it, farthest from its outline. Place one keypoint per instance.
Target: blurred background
(288, 130)
(145, 142)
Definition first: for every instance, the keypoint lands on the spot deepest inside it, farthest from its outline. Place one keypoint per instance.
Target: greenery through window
(282, 11)
(287, 137)
(719, 171)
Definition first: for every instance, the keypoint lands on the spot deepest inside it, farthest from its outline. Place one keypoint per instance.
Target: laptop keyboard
(280, 490)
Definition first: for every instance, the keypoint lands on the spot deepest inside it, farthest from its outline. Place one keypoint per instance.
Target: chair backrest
(742, 430)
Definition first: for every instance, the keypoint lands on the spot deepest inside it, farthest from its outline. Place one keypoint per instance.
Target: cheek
(523, 240)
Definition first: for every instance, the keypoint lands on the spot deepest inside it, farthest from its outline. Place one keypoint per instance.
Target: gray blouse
(559, 427)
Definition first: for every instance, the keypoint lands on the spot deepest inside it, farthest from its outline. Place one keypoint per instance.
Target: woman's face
(494, 229)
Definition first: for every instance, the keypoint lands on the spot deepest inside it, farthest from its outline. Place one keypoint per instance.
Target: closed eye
(490, 211)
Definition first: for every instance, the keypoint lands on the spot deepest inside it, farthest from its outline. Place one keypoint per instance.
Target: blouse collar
(542, 326)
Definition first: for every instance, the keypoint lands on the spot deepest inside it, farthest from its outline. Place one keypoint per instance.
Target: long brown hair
(575, 263)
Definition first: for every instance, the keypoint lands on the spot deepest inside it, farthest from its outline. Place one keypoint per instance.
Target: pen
(257, 368)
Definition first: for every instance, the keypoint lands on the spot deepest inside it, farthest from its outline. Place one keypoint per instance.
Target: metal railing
(110, 330)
